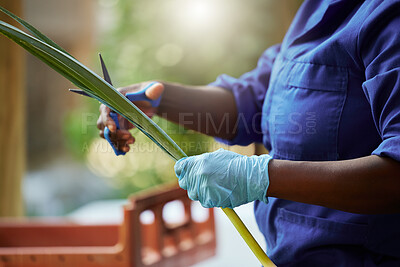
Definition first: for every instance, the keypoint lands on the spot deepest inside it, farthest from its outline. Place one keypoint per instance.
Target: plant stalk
(248, 237)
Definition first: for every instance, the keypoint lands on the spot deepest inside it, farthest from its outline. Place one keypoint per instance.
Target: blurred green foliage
(185, 41)
(79, 128)
(204, 37)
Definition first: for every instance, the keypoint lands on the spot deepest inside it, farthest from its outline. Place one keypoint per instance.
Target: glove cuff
(258, 178)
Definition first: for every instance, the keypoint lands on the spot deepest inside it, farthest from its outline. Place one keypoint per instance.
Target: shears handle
(136, 96)
(141, 96)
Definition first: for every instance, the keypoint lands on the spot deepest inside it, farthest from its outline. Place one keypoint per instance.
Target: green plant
(57, 58)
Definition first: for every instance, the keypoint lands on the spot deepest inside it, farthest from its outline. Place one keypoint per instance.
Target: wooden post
(12, 119)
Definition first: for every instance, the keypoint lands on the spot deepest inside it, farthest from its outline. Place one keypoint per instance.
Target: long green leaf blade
(33, 30)
(93, 84)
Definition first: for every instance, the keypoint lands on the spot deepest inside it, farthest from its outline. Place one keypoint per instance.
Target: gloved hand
(224, 178)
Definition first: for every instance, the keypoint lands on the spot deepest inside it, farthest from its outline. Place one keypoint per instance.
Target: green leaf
(92, 84)
(33, 30)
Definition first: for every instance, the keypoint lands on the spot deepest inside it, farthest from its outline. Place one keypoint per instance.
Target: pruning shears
(135, 96)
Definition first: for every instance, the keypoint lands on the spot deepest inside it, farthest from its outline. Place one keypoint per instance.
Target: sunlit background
(185, 41)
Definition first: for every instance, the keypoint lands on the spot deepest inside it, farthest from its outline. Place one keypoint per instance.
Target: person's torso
(315, 110)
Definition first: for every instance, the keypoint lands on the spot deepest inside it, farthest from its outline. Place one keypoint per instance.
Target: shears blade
(79, 91)
(106, 75)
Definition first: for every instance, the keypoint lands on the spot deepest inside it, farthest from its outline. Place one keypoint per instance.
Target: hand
(224, 178)
(122, 137)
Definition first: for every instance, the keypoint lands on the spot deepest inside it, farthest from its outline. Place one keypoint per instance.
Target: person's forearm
(206, 109)
(364, 185)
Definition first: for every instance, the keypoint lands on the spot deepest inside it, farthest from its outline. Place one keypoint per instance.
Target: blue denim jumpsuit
(330, 91)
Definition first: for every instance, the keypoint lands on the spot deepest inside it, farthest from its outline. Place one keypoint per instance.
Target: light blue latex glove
(224, 178)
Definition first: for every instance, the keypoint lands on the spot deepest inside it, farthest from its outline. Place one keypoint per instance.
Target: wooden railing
(134, 243)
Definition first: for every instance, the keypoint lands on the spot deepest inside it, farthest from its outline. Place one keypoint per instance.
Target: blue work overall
(330, 91)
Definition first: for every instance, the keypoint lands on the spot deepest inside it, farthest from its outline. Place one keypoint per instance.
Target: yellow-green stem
(247, 237)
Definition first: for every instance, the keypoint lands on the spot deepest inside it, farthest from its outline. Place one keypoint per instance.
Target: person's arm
(207, 109)
(227, 109)
(364, 185)
(368, 185)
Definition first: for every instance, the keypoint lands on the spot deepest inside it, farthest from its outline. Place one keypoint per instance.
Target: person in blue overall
(326, 104)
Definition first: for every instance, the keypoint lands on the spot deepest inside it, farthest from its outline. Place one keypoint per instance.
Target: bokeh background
(52, 162)
(186, 41)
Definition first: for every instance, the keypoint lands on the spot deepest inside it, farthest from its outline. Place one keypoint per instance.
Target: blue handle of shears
(136, 96)
(141, 96)
(117, 152)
